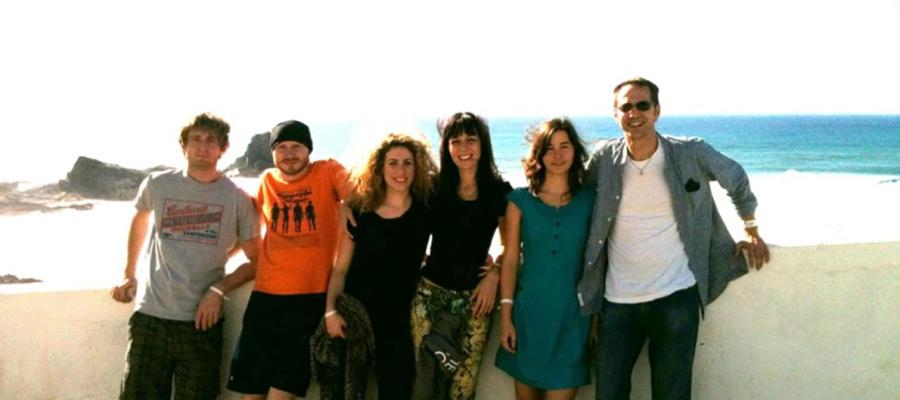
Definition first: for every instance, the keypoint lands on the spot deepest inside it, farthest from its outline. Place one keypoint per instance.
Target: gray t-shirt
(194, 226)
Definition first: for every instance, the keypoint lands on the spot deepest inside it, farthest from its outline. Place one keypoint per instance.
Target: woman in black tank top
(380, 264)
(459, 277)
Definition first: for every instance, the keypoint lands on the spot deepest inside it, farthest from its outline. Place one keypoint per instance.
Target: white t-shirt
(647, 260)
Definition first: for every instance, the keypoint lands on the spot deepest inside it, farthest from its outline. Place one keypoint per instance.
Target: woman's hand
(485, 294)
(335, 325)
(508, 335)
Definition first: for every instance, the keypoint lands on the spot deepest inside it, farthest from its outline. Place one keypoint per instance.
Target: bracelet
(330, 313)
(218, 292)
(750, 223)
(506, 301)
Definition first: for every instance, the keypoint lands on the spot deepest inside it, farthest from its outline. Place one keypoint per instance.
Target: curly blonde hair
(369, 188)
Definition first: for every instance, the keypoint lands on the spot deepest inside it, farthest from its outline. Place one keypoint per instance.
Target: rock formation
(94, 179)
(256, 158)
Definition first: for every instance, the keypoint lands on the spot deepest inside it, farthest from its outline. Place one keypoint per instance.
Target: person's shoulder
(268, 172)
(268, 178)
(167, 173)
(503, 187)
(519, 193)
(327, 163)
(422, 207)
(585, 191)
(232, 186)
(498, 189)
(165, 177)
(606, 146)
(684, 141)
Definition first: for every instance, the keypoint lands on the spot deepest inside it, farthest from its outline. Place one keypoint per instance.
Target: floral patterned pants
(432, 300)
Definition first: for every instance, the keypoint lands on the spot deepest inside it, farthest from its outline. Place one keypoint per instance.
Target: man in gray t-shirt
(199, 218)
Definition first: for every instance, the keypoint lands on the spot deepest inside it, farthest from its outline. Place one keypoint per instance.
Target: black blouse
(463, 231)
(387, 256)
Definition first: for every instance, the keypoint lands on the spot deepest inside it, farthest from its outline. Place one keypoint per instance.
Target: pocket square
(691, 186)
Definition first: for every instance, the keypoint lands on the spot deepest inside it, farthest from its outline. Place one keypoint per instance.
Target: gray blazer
(689, 167)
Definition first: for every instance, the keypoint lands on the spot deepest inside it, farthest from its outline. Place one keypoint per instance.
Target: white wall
(817, 323)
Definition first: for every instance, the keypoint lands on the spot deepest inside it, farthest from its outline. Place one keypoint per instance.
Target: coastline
(83, 249)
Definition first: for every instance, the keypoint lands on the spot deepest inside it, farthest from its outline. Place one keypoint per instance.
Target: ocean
(867, 145)
(818, 179)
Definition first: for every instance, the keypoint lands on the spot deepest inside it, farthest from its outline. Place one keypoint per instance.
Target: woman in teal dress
(543, 335)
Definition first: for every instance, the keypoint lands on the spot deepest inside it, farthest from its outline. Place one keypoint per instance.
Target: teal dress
(551, 333)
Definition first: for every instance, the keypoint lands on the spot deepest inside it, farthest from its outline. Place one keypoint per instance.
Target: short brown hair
(208, 123)
(654, 90)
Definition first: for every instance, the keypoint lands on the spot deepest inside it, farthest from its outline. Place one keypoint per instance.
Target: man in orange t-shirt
(272, 358)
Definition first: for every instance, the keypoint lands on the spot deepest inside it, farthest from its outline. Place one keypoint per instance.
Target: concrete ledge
(818, 323)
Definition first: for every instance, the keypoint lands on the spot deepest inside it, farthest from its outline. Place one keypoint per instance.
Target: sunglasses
(642, 105)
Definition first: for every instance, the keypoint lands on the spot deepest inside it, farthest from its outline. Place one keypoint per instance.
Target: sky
(117, 79)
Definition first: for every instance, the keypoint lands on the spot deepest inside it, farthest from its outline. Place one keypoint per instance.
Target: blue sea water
(868, 145)
(802, 167)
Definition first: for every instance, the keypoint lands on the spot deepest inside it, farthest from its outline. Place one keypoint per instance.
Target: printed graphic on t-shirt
(294, 213)
(191, 221)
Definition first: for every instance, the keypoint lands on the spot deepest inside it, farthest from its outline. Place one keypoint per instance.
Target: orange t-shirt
(301, 220)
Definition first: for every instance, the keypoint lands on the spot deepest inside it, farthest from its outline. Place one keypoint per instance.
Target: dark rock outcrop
(94, 179)
(256, 159)
(4, 279)
(46, 198)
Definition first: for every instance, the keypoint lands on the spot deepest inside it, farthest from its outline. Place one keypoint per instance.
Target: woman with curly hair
(542, 333)
(379, 265)
(458, 278)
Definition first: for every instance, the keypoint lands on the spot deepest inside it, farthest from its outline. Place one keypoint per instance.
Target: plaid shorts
(160, 349)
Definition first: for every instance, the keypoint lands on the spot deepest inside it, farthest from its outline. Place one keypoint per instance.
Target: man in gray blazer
(658, 251)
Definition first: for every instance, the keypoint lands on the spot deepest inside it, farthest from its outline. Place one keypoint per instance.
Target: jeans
(670, 323)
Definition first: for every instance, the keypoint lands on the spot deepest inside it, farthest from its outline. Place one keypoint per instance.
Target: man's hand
(124, 292)
(757, 250)
(593, 343)
(485, 294)
(209, 311)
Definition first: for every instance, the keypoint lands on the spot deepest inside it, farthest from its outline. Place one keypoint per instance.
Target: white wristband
(330, 313)
(751, 223)
(218, 292)
(506, 301)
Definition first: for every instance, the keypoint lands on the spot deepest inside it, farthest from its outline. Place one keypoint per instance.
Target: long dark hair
(539, 136)
(487, 176)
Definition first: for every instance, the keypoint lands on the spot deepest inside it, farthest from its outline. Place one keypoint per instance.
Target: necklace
(640, 169)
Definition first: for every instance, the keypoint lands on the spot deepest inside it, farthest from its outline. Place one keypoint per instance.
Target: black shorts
(273, 349)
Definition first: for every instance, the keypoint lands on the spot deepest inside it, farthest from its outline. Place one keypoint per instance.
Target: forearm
(243, 274)
(335, 288)
(246, 272)
(508, 277)
(136, 235)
